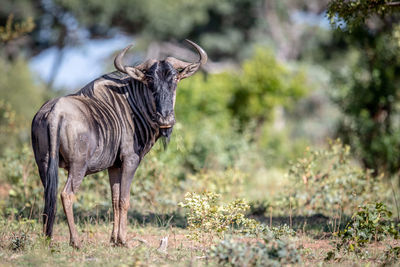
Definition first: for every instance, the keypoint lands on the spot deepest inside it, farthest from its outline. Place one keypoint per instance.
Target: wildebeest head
(162, 77)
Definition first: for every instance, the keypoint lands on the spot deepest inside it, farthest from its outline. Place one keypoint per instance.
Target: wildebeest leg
(115, 183)
(129, 166)
(75, 176)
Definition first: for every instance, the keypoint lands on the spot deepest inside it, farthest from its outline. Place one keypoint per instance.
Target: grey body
(110, 124)
(97, 124)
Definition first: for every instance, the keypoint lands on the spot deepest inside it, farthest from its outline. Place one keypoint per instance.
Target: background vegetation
(290, 133)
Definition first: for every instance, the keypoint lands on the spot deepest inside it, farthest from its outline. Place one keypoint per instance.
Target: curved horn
(134, 72)
(118, 59)
(188, 69)
(200, 51)
(179, 64)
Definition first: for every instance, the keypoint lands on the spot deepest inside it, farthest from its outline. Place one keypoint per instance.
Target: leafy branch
(14, 30)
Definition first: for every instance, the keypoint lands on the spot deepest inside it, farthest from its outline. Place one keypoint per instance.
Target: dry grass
(21, 243)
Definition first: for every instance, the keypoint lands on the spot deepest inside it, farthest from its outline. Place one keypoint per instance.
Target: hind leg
(75, 177)
(115, 183)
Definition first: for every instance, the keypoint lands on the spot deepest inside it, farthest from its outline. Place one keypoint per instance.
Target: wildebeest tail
(51, 180)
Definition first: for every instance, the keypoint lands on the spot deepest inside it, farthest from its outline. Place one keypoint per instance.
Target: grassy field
(21, 244)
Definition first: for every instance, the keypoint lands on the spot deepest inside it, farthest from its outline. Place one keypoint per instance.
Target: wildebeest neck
(143, 107)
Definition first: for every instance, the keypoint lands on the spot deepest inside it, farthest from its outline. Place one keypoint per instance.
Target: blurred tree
(222, 27)
(16, 84)
(353, 13)
(368, 84)
(20, 98)
(264, 85)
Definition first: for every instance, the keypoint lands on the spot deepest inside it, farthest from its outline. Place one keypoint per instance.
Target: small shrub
(275, 232)
(18, 241)
(207, 215)
(267, 253)
(372, 222)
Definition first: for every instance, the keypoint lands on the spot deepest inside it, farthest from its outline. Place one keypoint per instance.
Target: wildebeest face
(162, 79)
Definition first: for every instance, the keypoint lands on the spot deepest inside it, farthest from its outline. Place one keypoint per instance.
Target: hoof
(75, 244)
(117, 243)
(122, 244)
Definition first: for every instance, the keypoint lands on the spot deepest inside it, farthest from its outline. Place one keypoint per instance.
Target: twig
(141, 241)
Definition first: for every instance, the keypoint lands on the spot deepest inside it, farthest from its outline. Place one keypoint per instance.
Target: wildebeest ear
(188, 71)
(135, 73)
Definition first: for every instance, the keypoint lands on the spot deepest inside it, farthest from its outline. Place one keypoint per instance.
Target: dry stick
(270, 217)
(334, 223)
(340, 217)
(97, 214)
(141, 241)
(45, 223)
(163, 245)
(395, 200)
(290, 213)
(175, 243)
(33, 205)
(304, 226)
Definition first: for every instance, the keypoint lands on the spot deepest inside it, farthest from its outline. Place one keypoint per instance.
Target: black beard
(165, 136)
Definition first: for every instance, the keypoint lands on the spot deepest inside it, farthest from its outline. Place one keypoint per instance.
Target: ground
(22, 244)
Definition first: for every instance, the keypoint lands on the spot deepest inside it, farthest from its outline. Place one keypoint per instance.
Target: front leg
(129, 166)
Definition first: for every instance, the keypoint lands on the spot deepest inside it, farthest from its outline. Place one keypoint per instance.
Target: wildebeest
(110, 124)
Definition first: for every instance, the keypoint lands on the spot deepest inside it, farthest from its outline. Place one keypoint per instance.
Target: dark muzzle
(165, 121)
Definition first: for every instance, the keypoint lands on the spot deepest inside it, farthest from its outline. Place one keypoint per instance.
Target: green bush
(18, 169)
(372, 222)
(328, 181)
(16, 84)
(207, 216)
(265, 84)
(232, 252)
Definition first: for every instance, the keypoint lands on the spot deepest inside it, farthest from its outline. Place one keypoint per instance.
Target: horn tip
(202, 53)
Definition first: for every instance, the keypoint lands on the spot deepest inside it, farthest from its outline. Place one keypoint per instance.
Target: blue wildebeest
(110, 124)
